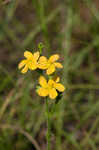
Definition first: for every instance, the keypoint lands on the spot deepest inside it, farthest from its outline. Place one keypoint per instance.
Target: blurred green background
(67, 27)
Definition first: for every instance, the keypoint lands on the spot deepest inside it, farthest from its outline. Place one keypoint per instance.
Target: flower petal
(59, 87)
(53, 58)
(52, 93)
(51, 69)
(25, 69)
(42, 82)
(42, 63)
(56, 79)
(50, 82)
(42, 92)
(43, 59)
(58, 65)
(21, 64)
(28, 54)
(36, 55)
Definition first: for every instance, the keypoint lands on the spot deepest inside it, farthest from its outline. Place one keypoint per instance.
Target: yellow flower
(50, 88)
(30, 62)
(49, 64)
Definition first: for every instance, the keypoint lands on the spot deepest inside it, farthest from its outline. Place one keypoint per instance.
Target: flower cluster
(50, 88)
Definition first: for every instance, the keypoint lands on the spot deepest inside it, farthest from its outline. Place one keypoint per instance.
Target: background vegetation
(67, 27)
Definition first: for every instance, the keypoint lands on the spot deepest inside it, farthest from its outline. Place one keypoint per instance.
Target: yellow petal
(28, 54)
(43, 59)
(42, 92)
(52, 93)
(25, 69)
(32, 66)
(53, 58)
(21, 64)
(51, 69)
(36, 55)
(42, 81)
(58, 65)
(56, 79)
(42, 63)
(50, 82)
(59, 87)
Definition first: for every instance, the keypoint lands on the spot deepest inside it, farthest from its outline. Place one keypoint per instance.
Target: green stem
(48, 124)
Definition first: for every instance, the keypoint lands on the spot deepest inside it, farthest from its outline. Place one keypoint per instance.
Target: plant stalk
(48, 124)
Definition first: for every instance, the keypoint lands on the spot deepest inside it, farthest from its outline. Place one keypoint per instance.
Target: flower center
(51, 86)
(49, 64)
(31, 61)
